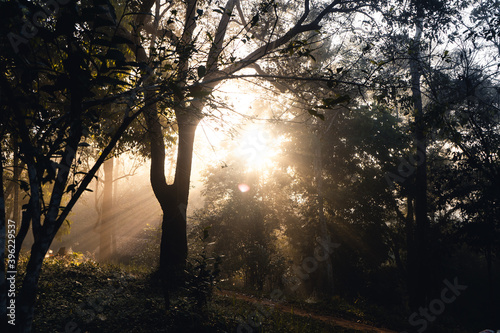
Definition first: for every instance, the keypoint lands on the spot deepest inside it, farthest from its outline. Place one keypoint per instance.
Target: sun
(256, 148)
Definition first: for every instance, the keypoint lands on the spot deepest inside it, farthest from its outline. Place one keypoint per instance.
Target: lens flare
(244, 188)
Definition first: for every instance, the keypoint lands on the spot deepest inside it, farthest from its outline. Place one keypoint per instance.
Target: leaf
(50, 89)
(198, 92)
(315, 113)
(114, 54)
(24, 185)
(71, 188)
(210, 37)
(254, 21)
(205, 232)
(121, 40)
(202, 70)
(329, 102)
(103, 42)
(106, 80)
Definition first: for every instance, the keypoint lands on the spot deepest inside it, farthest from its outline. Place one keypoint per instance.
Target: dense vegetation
(354, 170)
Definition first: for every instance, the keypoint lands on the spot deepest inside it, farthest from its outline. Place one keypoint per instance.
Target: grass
(78, 295)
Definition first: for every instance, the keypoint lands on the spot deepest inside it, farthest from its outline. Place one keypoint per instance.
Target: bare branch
(297, 29)
(216, 48)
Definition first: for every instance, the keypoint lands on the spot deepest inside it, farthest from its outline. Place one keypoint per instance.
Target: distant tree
(467, 111)
(400, 67)
(245, 210)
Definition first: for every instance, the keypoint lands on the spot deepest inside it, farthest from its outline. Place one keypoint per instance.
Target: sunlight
(256, 148)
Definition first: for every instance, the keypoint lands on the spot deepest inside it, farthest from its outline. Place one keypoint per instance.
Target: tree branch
(216, 48)
(297, 29)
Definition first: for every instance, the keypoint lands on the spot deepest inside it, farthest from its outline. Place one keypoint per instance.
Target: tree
(199, 66)
(106, 219)
(410, 59)
(486, 18)
(466, 110)
(57, 75)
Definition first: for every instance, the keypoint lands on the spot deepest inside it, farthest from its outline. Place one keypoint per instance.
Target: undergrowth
(80, 295)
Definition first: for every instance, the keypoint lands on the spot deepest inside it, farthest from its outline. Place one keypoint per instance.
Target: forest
(250, 166)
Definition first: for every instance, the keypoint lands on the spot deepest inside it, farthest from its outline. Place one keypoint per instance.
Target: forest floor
(85, 297)
(287, 308)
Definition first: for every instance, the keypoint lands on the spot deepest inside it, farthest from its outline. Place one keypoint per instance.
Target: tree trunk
(174, 238)
(27, 296)
(421, 280)
(17, 175)
(3, 285)
(173, 198)
(411, 255)
(23, 231)
(107, 225)
(318, 171)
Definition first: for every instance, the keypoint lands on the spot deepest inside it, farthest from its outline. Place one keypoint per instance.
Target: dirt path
(335, 321)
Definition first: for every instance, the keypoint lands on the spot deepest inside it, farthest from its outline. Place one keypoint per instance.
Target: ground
(87, 297)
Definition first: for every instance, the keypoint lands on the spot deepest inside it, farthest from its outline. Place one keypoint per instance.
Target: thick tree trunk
(106, 225)
(173, 198)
